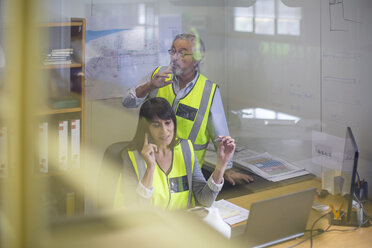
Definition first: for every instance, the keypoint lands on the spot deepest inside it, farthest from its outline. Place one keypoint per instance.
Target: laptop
(276, 220)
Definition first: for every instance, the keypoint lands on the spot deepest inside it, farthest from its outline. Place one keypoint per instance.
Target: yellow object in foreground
(336, 213)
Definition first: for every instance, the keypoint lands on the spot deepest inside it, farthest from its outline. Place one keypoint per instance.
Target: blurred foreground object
(135, 228)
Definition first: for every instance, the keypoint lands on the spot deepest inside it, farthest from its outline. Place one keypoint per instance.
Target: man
(196, 100)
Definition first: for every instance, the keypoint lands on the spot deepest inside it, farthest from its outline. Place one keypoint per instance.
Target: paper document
(240, 152)
(264, 165)
(243, 152)
(270, 168)
(230, 212)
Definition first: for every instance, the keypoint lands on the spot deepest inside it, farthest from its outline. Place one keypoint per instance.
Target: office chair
(109, 174)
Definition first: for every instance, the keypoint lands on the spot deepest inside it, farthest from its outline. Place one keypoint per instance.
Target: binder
(75, 144)
(3, 152)
(43, 147)
(70, 204)
(63, 145)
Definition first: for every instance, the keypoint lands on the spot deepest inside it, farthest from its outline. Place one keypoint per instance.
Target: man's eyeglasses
(182, 54)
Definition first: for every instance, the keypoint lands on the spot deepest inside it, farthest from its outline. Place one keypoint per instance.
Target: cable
(319, 230)
(365, 214)
(341, 230)
(312, 228)
(298, 243)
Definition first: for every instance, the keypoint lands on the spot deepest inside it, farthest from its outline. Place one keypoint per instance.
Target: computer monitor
(350, 165)
(349, 177)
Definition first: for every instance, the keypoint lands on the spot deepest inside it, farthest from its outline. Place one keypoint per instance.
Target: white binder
(43, 147)
(75, 143)
(3, 152)
(63, 145)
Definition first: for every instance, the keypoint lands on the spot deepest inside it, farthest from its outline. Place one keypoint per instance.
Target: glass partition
(274, 78)
(288, 72)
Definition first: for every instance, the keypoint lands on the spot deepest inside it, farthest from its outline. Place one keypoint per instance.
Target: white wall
(322, 76)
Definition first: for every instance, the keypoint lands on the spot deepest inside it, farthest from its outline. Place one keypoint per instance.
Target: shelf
(61, 24)
(60, 123)
(59, 173)
(59, 111)
(74, 65)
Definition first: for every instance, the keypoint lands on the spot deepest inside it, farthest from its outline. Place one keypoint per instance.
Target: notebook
(276, 220)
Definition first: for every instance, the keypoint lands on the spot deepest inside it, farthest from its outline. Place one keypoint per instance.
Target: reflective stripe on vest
(200, 147)
(186, 150)
(201, 113)
(155, 91)
(174, 190)
(141, 167)
(192, 111)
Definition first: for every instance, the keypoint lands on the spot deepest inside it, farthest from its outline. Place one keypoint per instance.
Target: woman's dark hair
(151, 108)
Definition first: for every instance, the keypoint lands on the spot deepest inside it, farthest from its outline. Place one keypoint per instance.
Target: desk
(243, 188)
(259, 184)
(361, 237)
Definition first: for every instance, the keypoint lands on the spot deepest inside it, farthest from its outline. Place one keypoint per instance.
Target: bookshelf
(60, 123)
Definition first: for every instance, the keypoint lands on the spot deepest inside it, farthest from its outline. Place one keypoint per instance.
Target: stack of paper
(59, 57)
(264, 165)
(230, 212)
(270, 168)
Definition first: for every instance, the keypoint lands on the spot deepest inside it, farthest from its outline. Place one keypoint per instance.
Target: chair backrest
(109, 173)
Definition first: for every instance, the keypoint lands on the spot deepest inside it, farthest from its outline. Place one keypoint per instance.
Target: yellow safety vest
(172, 191)
(192, 112)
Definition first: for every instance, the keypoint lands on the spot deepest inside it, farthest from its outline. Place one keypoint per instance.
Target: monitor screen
(349, 168)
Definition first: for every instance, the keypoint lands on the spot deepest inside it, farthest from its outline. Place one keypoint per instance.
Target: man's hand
(232, 176)
(159, 79)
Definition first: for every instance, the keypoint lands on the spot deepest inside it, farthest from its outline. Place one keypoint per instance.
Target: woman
(166, 171)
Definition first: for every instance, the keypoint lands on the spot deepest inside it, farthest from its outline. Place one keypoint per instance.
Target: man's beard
(178, 71)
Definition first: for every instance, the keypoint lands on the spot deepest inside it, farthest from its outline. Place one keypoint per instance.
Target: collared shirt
(216, 125)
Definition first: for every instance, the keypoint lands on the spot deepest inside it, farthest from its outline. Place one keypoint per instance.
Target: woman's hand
(226, 148)
(225, 151)
(148, 152)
